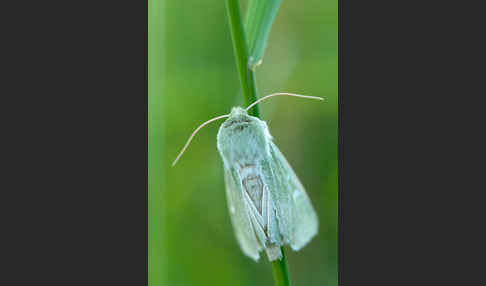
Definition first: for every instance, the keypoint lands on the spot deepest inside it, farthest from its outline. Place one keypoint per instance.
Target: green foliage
(156, 244)
(258, 22)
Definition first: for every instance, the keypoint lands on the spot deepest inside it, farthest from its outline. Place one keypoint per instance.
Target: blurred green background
(193, 77)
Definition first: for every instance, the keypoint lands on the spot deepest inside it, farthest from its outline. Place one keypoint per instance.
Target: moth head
(238, 119)
(235, 111)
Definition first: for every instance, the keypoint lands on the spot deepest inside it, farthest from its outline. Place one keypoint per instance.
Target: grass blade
(258, 22)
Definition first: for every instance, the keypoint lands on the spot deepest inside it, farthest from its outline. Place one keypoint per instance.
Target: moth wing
(296, 217)
(240, 217)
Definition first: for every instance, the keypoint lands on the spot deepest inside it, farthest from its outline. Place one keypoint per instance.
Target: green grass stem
(248, 85)
(247, 76)
(280, 270)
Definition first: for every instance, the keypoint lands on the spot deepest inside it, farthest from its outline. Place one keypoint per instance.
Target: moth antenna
(282, 93)
(194, 133)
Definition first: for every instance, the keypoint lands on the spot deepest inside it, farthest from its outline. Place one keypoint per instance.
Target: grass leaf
(258, 22)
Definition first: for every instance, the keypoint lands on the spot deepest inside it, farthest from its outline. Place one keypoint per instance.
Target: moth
(267, 203)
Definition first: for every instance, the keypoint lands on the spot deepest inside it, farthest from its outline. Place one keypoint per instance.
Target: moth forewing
(299, 213)
(239, 217)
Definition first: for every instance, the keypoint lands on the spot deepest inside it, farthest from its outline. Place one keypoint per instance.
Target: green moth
(267, 203)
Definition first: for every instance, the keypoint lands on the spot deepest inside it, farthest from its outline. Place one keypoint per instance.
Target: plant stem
(280, 271)
(247, 76)
(248, 84)
(255, 111)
